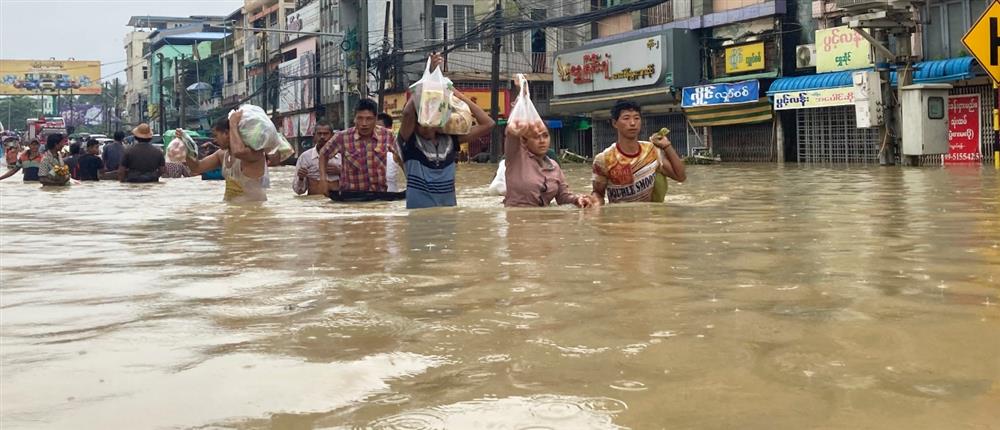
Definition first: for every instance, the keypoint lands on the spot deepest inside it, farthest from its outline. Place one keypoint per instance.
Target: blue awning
(952, 69)
(553, 123)
(811, 82)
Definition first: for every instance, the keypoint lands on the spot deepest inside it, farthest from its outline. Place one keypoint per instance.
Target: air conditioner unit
(805, 56)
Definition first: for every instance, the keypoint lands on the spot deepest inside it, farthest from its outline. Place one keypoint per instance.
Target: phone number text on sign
(963, 129)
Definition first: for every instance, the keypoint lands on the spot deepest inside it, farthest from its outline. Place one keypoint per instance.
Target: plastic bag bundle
(256, 129)
(460, 121)
(176, 151)
(191, 148)
(432, 94)
(284, 149)
(524, 116)
(258, 133)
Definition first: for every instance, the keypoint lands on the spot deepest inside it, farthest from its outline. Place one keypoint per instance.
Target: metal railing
(235, 90)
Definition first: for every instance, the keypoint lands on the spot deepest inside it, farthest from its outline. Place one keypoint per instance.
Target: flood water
(757, 297)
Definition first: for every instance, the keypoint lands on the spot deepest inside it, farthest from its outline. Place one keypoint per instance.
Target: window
(956, 29)
(145, 72)
(934, 34)
(947, 22)
(517, 42)
(935, 107)
(463, 20)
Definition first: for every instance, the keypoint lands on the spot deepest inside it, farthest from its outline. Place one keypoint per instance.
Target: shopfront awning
(811, 82)
(743, 113)
(952, 69)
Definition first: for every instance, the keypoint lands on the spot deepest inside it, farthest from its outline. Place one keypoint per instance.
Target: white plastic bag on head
(257, 130)
(524, 116)
(460, 121)
(432, 94)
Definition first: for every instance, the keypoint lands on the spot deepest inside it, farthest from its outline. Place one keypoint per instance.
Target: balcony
(233, 92)
(510, 62)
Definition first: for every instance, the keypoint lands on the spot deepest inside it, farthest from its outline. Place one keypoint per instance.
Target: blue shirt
(430, 171)
(113, 153)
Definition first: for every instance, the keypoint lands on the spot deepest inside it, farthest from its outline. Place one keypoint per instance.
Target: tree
(15, 111)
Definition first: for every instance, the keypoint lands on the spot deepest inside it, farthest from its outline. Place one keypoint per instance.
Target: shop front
(825, 107)
(735, 122)
(648, 69)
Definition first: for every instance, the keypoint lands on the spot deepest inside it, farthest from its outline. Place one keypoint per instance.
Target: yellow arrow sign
(983, 40)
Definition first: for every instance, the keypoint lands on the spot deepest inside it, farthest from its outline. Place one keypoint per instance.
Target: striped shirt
(363, 165)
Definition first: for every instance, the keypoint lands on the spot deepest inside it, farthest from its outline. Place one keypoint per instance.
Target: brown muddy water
(757, 297)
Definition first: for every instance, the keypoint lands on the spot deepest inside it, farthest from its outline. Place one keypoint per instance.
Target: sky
(86, 29)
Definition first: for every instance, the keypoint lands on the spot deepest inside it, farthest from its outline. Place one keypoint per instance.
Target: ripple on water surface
(520, 413)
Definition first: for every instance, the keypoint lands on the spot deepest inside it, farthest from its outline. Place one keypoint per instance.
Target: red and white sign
(964, 135)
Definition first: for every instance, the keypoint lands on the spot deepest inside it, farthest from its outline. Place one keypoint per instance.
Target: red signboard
(964, 134)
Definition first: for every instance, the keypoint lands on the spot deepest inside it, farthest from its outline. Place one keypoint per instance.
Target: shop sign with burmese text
(842, 48)
(745, 58)
(826, 97)
(635, 63)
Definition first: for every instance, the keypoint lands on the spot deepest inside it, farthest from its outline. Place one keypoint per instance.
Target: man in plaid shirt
(364, 149)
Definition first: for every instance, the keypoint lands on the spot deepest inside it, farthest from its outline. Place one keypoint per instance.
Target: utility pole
(179, 92)
(495, 140)
(343, 89)
(72, 113)
(445, 34)
(382, 69)
(397, 43)
(159, 83)
(117, 115)
(265, 58)
(363, 50)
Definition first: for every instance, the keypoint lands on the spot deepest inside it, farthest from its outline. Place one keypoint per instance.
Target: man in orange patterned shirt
(626, 171)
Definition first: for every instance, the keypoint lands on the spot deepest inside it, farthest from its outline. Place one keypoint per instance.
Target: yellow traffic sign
(983, 40)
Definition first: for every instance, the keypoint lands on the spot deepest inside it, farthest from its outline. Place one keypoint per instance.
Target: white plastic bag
(499, 184)
(432, 94)
(257, 130)
(524, 116)
(191, 148)
(460, 121)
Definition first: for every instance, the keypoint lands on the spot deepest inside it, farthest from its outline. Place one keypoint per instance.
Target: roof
(145, 20)
(952, 69)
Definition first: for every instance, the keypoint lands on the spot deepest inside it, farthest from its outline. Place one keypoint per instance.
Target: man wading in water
(242, 167)
(364, 149)
(626, 171)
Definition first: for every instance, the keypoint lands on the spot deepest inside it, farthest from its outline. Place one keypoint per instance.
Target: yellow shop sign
(745, 58)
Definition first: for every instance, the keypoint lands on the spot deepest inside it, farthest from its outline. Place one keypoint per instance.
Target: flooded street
(758, 297)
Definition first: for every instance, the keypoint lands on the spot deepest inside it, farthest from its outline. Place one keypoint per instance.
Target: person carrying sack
(429, 154)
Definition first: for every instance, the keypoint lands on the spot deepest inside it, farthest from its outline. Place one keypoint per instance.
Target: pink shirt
(529, 184)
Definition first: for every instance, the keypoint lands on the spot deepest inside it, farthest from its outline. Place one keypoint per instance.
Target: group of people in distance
(87, 161)
(365, 162)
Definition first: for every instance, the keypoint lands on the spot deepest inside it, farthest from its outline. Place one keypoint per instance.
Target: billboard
(27, 77)
(305, 19)
(296, 88)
